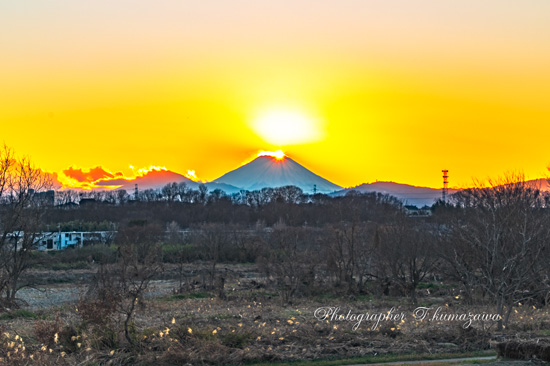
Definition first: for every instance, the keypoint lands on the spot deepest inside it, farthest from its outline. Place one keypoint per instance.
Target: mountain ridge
(410, 194)
(157, 179)
(276, 171)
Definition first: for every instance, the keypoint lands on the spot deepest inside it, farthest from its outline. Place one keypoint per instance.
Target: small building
(56, 240)
(73, 239)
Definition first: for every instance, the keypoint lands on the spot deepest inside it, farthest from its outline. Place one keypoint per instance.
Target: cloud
(92, 175)
(98, 178)
(191, 175)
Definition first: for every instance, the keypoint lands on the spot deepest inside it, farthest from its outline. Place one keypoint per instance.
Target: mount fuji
(276, 171)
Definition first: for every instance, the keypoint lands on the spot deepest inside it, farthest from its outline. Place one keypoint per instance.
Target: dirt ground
(249, 324)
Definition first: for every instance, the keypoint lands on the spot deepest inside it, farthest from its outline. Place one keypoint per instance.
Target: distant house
(73, 239)
(56, 240)
(46, 241)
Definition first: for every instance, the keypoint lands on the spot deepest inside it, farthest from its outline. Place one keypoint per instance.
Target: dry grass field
(250, 326)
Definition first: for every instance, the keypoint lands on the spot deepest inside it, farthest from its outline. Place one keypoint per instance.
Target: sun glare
(279, 155)
(282, 127)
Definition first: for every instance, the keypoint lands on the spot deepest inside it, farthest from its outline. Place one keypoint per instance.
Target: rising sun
(279, 154)
(287, 127)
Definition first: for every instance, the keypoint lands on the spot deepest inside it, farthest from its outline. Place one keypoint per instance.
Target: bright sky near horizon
(355, 90)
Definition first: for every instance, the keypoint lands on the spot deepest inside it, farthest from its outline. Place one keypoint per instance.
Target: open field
(249, 325)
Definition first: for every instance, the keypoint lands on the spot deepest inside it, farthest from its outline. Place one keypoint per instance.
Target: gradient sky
(389, 90)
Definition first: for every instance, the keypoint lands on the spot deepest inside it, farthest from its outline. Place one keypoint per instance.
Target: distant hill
(153, 179)
(418, 196)
(409, 194)
(269, 171)
(156, 179)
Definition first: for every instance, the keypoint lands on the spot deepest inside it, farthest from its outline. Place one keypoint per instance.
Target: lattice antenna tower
(445, 184)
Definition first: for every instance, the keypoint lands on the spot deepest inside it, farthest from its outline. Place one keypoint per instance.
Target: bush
(69, 265)
(177, 253)
(170, 253)
(45, 331)
(21, 313)
(77, 258)
(191, 295)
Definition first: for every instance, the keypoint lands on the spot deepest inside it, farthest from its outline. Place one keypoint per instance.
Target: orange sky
(386, 90)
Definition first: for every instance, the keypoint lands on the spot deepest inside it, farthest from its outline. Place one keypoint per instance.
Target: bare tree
(288, 194)
(120, 287)
(348, 255)
(202, 194)
(213, 238)
(405, 254)
(498, 241)
(342, 254)
(67, 197)
(22, 207)
(170, 192)
(290, 259)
